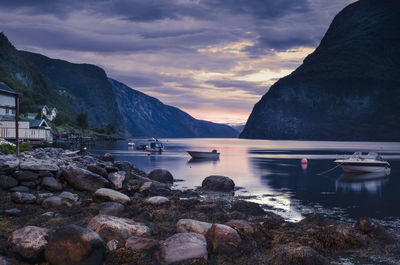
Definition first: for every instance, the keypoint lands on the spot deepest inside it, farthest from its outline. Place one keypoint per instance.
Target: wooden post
(16, 125)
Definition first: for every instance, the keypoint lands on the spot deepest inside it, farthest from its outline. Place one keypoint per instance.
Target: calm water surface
(270, 172)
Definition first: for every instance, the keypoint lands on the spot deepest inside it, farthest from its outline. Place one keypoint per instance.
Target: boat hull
(351, 168)
(203, 155)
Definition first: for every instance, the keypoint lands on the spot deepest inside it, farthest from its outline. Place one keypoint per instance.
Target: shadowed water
(270, 172)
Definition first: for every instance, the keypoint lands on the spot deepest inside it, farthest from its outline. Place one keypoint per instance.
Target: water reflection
(213, 161)
(371, 183)
(271, 172)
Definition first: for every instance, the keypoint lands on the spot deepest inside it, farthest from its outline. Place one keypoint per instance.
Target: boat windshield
(374, 156)
(356, 155)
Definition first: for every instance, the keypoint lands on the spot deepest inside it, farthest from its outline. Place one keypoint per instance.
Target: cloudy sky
(212, 58)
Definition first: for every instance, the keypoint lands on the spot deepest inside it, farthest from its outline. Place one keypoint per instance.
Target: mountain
(74, 88)
(84, 86)
(22, 76)
(238, 127)
(347, 89)
(147, 116)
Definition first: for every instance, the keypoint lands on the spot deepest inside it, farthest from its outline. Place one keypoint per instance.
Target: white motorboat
(154, 146)
(358, 162)
(131, 144)
(204, 155)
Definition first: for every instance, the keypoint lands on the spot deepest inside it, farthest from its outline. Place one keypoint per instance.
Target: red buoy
(304, 163)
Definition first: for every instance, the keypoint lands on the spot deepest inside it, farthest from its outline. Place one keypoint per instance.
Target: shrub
(8, 149)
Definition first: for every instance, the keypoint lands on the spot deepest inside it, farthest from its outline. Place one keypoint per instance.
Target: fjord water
(270, 172)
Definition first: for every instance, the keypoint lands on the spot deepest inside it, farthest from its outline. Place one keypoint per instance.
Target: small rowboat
(204, 155)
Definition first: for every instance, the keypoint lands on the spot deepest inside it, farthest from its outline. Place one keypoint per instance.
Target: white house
(49, 113)
(33, 130)
(7, 102)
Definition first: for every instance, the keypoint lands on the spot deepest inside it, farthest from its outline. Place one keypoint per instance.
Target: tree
(82, 121)
(109, 129)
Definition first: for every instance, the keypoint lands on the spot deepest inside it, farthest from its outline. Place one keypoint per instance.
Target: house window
(7, 111)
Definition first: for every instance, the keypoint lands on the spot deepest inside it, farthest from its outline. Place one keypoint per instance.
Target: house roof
(6, 89)
(38, 123)
(41, 106)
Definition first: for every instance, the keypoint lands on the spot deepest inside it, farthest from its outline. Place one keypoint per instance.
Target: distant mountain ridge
(74, 88)
(347, 89)
(148, 116)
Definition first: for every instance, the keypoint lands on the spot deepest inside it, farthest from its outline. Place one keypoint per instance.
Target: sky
(211, 58)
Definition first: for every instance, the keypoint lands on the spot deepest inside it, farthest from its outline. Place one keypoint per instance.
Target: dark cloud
(209, 22)
(260, 9)
(161, 46)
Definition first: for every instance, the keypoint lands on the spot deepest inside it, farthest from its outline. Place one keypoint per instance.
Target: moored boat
(372, 162)
(154, 146)
(204, 155)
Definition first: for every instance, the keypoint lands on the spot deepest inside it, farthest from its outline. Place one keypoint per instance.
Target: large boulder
(7, 182)
(183, 246)
(42, 196)
(161, 175)
(13, 212)
(154, 188)
(108, 158)
(8, 163)
(76, 245)
(193, 226)
(224, 239)
(109, 195)
(140, 243)
(117, 178)
(24, 175)
(23, 197)
(69, 196)
(19, 189)
(83, 179)
(52, 202)
(242, 226)
(218, 183)
(50, 183)
(157, 200)
(248, 208)
(112, 227)
(29, 184)
(124, 166)
(29, 242)
(38, 165)
(287, 255)
(98, 170)
(111, 208)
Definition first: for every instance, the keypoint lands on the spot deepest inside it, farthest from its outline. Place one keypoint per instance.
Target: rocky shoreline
(59, 207)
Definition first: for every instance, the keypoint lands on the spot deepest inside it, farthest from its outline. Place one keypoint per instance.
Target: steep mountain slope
(84, 86)
(22, 76)
(147, 116)
(347, 89)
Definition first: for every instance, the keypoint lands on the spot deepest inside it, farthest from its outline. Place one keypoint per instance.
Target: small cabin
(7, 103)
(49, 113)
(34, 130)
